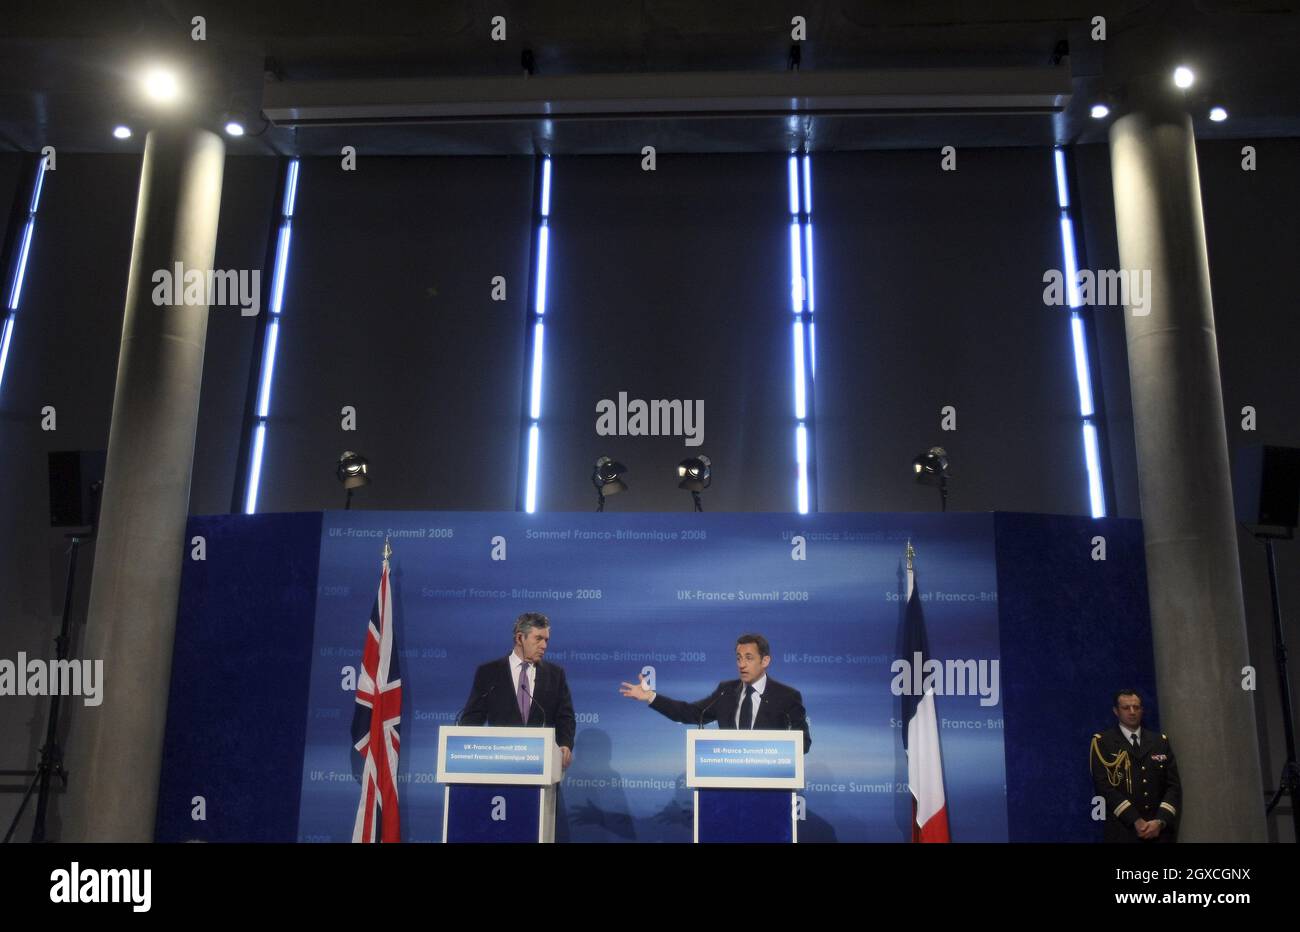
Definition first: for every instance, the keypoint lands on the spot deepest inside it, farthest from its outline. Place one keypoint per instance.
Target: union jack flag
(374, 725)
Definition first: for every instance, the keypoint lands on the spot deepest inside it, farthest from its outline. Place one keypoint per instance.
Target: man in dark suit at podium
(753, 701)
(519, 689)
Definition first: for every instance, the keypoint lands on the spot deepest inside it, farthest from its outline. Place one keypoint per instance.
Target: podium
(499, 784)
(744, 784)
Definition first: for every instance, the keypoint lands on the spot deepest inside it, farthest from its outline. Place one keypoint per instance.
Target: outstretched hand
(637, 690)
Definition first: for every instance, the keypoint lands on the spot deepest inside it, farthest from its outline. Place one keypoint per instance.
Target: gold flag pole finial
(910, 553)
(388, 549)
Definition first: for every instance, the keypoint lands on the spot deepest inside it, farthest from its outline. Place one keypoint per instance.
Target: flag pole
(910, 554)
(388, 550)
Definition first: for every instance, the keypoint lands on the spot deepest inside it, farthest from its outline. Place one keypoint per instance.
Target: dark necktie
(1134, 738)
(747, 708)
(525, 700)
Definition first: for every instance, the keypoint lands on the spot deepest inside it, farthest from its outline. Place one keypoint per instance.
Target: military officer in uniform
(1134, 770)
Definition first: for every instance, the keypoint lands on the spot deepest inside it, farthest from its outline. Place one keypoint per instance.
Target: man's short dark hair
(1127, 692)
(764, 650)
(530, 620)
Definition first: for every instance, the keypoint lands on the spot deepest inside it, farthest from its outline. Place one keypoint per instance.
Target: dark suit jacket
(493, 700)
(781, 708)
(1136, 782)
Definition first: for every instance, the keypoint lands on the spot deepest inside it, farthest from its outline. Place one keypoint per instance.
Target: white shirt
(1128, 735)
(516, 662)
(759, 686)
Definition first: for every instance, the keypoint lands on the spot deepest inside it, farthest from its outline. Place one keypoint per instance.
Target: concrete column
(1193, 578)
(116, 748)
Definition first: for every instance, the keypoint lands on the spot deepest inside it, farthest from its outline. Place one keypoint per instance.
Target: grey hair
(530, 620)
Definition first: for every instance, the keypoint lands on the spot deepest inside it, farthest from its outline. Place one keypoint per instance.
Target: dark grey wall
(388, 308)
(930, 289)
(671, 284)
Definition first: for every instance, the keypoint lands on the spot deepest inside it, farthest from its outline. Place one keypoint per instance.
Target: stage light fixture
(234, 128)
(1218, 114)
(607, 477)
(121, 132)
(931, 468)
(1183, 77)
(1099, 111)
(353, 471)
(161, 86)
(696, 474)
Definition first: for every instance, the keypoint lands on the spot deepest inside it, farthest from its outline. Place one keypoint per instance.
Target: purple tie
(525, 700)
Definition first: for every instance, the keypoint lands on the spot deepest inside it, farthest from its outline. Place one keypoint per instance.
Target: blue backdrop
(263, 647)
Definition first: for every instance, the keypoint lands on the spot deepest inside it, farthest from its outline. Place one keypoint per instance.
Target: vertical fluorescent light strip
(796, 269)
(543, 245)
(271, 340)
(800, 390)
(807, 185)
(1062, 193)
(808, 261)
(535, 406)
(255, 476)
(801, 457)
(20, 267)
(1083, 376)
(801, 300)
(546, 188)
(539, 309)
(1081, 366)
(4, 344)
(530, 502)
(1092, 452)
(268, 364)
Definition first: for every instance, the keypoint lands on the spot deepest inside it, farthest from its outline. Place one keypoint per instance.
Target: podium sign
(527, 756)
(756, 760)
(499, 783)
(744, 783)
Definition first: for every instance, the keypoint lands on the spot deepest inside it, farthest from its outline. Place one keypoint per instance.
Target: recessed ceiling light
(1183, 76)
(1100, 111)
(1218, 114)
(234, 128)
(122, 132)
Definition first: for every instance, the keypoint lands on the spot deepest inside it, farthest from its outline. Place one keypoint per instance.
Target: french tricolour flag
(921, 732)
(374, 726)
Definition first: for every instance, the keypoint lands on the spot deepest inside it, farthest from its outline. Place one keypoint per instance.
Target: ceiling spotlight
(1218, 114)
(121, 132)
(1099, 111)
(696, 474)
(161, 86)
(931, 468)
(234, 128)
(607, 477)
(353, 471)
(1183, 77)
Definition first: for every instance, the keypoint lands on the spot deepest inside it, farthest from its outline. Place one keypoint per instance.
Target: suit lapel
(512, 690)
